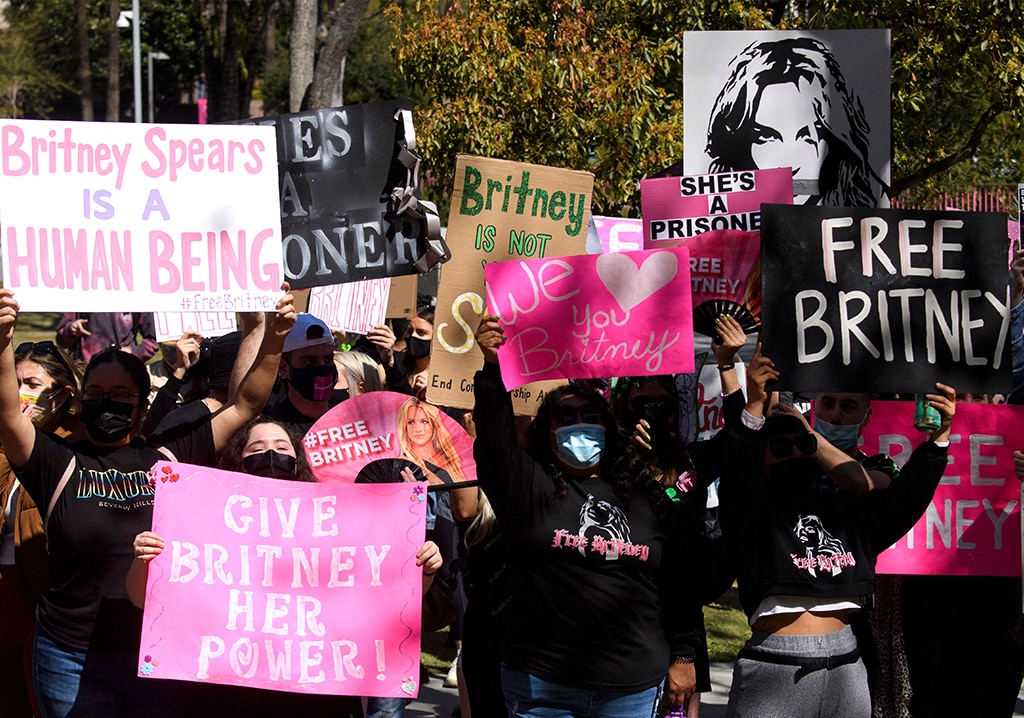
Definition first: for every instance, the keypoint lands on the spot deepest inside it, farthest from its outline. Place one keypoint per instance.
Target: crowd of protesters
(596, 611)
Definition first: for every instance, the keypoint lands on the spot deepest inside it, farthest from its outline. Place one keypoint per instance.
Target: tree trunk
(346, 22)
(114, 65)
(84, 66)
(303, 50)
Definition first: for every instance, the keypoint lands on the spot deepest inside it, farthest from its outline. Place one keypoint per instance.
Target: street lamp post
(150, 56)
(122, 21)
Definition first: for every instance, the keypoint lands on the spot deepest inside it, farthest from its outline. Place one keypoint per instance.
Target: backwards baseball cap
(308, 331)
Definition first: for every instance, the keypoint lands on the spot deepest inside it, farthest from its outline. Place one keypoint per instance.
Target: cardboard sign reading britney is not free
(500, 210)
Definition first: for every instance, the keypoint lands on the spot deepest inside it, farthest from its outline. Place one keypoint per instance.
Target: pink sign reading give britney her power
(593, 316)
(284, 585)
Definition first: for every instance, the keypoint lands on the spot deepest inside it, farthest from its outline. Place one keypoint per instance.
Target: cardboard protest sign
(677, 208)
(100, 216)
(336, 170)
(619, 234)
(361, 437)
(590, 316)
(402, 297)
(817, 102)
(885, 300)
(500, 210)
(284, 585)
(356, 307)
(171, 325)
(972, 525)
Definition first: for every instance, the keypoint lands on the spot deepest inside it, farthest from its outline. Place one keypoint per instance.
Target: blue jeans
(78, 684)
(528, 695)
(385, 707)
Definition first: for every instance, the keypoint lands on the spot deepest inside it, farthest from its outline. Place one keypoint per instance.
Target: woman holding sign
(97, 498)
(600, 616)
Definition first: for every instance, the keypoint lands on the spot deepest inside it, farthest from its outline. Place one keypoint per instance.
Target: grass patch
(36, 327)
(436, 652)
(727, 627)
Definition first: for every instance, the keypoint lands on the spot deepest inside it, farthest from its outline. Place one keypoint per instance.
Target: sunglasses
(781, 447)
(589, 413)
(46, 347)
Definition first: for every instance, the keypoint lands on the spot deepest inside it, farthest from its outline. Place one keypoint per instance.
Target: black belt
(807, 664)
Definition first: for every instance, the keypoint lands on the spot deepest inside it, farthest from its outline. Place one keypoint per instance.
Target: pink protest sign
(972, 525)
(171, 325)
(593, 315)
(361, 439)
(284, 585)
(355, 307)
(725, 277)
(677, 208)
(619, 234)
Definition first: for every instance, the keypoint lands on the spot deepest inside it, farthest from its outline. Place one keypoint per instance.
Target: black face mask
(270, 465)
(339, 395)
(106, 420)
(315, 383)
(417, 348)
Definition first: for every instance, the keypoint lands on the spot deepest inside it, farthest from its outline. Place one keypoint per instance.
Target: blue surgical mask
(841, 436)
(580, 445)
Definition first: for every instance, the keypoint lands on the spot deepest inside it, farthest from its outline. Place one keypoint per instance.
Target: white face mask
(580, 445)
(842, 436)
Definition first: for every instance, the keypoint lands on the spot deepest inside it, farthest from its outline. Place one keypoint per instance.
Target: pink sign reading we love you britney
(284, 585)
(593, 316)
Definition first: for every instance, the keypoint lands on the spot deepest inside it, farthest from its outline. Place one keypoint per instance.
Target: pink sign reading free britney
(284, 585)
(972, 524)
(593, 315)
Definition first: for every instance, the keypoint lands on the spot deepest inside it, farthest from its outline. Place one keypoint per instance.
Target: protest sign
(500, 210)
(593, 316)
(885, 300)
(338, 167)
(100, 216)
(817, 102)
(677, 208)
(362, 436)
(356, 307)
(402, 297)
(171, 325)
(972, 525)
(285, 585)
(619, 234)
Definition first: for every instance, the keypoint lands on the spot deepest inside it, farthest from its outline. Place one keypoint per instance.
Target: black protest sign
(338, 167)
(885, 300)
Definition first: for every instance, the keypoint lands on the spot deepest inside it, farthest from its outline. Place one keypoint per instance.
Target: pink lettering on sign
(972, 524)
(593, 315)
(284, 585)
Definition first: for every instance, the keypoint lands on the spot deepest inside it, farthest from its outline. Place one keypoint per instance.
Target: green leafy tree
(28, 81)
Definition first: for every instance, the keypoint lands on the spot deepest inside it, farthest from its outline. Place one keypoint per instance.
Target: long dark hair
(134, 367)
(620, 466)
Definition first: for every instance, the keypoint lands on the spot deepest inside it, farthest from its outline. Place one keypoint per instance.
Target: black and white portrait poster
(338, 167)
(817, 102)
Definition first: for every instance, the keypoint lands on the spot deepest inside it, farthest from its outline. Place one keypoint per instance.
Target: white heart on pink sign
(630, 284)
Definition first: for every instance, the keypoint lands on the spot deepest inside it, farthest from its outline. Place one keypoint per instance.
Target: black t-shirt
(106, 502)
(600, 597)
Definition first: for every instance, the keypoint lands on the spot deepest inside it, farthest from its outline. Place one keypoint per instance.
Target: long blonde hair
(440, 439)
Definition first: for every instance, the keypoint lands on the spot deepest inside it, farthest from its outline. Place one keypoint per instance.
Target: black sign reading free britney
(885, 300)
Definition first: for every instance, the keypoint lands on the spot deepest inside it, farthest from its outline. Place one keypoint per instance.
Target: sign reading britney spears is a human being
(284, 585)
(593, 315)
(972, 523)
(99, 216)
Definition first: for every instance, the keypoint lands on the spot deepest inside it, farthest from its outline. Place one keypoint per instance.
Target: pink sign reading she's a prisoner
(284, 585)
(972, 524)
(593, 315)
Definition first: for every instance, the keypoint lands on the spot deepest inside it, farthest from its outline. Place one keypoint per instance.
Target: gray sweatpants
(768, 690)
